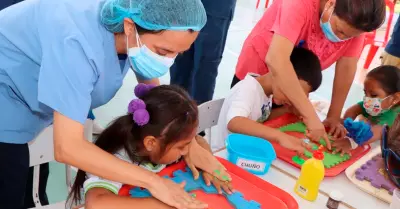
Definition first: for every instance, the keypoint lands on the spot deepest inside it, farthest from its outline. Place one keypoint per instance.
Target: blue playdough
(359, 131)
(236, 199)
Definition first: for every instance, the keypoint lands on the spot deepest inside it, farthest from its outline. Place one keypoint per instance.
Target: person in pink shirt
(333, 30)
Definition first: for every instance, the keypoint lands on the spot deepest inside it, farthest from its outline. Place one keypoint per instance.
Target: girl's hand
(225, 185)
(293, 143)
(200, 158)
(342, 146)
(174, 195)
(335, 127)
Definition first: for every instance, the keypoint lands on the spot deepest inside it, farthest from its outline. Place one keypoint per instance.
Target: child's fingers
(217, 185)
(226, 188)
(182, 185)
(207, 179)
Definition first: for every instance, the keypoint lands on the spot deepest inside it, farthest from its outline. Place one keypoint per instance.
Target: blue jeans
(196, 70)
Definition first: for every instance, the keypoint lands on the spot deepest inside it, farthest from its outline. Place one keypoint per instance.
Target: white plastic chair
(208, 116)
(41, 151)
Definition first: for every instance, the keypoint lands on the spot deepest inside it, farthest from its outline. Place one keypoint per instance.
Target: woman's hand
(174, 195)
(335, 127)
(316, 131)
(293, 143)
(219, 185)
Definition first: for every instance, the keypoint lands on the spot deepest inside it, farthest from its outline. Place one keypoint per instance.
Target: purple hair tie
(137, 108)
(142, 89)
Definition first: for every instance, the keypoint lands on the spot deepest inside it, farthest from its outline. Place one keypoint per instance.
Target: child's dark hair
(388, 77)
(173, 117)
(362, 15)
(393, 139)
(307, 67)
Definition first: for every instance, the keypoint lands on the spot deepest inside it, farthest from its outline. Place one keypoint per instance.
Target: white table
(353, 196)
(286, 183)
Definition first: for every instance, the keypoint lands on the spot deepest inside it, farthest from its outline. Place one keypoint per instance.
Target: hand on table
(335, 127)
(342, 146)
(293, 143)
(174, 195)
(219, 185)
(199, 157)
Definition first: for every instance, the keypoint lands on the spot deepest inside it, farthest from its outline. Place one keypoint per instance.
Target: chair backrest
(41, 148)
(209, 114)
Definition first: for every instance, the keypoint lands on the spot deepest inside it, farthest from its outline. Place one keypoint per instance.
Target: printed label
(250, 165)
(302, 190)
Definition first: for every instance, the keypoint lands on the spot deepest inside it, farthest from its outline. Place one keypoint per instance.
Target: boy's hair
(388, 77)
(307, 67)
(393, 139)
(173, 117)
(362, 15)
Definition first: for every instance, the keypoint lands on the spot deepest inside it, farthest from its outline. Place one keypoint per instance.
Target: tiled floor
(244, 20)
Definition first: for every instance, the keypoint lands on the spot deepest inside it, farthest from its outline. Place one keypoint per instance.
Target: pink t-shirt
(296, 20)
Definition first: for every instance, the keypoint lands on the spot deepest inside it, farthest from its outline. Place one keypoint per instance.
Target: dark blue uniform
(196, 70)
(7, 3)
(393, 47)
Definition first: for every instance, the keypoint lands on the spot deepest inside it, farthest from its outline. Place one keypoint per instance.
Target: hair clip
(142, 89)
(137, 108)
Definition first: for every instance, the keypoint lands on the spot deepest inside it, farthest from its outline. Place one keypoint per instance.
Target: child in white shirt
(249, 103)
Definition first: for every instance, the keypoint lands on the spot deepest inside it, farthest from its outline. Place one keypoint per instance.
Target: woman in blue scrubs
(59, 59)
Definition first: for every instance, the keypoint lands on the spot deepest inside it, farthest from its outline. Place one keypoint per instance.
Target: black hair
(363, 15)
(173, 117)
(388, 77)
(393, 139)
(307, 67)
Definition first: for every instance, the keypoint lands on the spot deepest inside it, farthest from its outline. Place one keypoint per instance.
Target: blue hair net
(154, 14)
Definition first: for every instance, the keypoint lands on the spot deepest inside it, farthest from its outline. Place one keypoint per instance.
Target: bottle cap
(336, 195)
(319, 154)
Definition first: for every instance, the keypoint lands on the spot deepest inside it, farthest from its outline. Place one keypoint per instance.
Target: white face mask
(373, 106)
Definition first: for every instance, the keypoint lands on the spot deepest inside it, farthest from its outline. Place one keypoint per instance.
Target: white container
(395, 200)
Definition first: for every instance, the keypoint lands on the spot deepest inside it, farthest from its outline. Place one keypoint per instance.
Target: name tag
(250, 164)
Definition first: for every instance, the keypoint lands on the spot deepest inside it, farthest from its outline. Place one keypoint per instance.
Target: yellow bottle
(312, 173)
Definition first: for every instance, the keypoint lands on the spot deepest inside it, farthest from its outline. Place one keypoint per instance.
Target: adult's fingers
(207, 179)
(217, 185)
(227, 188)
(328, 141)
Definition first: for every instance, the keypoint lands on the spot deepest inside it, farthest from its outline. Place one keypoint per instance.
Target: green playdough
(330, 160)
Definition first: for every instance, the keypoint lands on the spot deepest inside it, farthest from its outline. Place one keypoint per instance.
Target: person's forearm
(108, 201)
(154, 81)
(344, 76)
(203, 143)
(88, 157)
(246, 126)
(287, 81)
(377, 134)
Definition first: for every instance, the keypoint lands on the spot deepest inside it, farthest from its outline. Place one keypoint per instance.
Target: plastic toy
(359, 131)
(334, 164)
(374, 172)
(252, 189)
(236, 199)
(311, 175)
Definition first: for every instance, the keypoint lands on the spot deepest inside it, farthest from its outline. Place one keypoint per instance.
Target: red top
(296, 20)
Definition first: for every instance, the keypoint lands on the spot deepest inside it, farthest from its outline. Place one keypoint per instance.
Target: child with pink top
(332, 29)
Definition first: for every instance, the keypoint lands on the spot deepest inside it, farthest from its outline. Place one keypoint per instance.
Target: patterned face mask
(373, 106)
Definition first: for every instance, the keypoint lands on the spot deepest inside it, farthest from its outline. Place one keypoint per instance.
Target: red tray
(287, 155)
(252, 188)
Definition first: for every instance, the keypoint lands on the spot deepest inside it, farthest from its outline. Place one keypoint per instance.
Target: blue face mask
(146, 63)
(327, 29)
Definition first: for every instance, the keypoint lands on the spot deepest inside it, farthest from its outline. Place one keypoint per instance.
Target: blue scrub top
(393, 46)
(54, 55)
(223, 9)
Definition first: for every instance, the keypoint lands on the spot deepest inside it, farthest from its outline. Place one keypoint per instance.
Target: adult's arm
(345, 72)
(286, 80)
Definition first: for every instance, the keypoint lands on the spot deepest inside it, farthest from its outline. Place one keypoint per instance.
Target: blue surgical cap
(154, 14)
